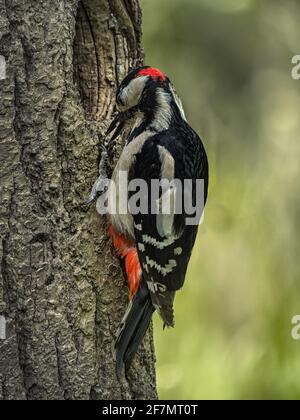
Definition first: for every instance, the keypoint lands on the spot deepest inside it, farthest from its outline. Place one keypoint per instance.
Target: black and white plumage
(165, 254)
(161, 145)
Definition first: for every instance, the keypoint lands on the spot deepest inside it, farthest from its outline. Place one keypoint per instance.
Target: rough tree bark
(62, 291)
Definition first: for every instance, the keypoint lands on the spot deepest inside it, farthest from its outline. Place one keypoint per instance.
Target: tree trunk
(62, 291)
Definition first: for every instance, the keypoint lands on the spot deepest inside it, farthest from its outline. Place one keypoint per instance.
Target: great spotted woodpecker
(156, 247)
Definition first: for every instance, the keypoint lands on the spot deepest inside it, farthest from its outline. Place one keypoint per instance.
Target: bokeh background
(230, 61)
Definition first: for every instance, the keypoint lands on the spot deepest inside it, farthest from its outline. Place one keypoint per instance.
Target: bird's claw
(100, 186)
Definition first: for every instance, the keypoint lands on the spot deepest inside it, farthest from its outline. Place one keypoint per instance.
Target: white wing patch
(141, 247)
(168, 268)
(163, 115)
(158, 244)
(146, 268)
(156, 287)
(165, 216)
(167, 164)
(166, 203)
(178, 251)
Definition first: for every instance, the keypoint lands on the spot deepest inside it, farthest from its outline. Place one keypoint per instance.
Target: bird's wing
(164, 241)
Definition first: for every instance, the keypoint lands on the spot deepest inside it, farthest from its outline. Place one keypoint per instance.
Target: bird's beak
(117, 125)
(119, 122)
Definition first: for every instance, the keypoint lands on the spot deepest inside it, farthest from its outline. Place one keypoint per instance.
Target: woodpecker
(156, 248)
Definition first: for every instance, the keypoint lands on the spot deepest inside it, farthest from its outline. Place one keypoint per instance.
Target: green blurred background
(230, 61)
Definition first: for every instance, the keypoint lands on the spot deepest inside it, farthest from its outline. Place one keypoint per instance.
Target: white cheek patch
(132, 93)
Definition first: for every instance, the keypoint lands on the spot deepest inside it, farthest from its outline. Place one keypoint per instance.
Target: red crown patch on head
(152, 72)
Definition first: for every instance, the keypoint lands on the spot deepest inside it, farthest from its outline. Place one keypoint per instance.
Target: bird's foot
(100, 186)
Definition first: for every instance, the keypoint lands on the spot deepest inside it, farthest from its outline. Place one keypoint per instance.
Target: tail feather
(139, 333)
(132, 329)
